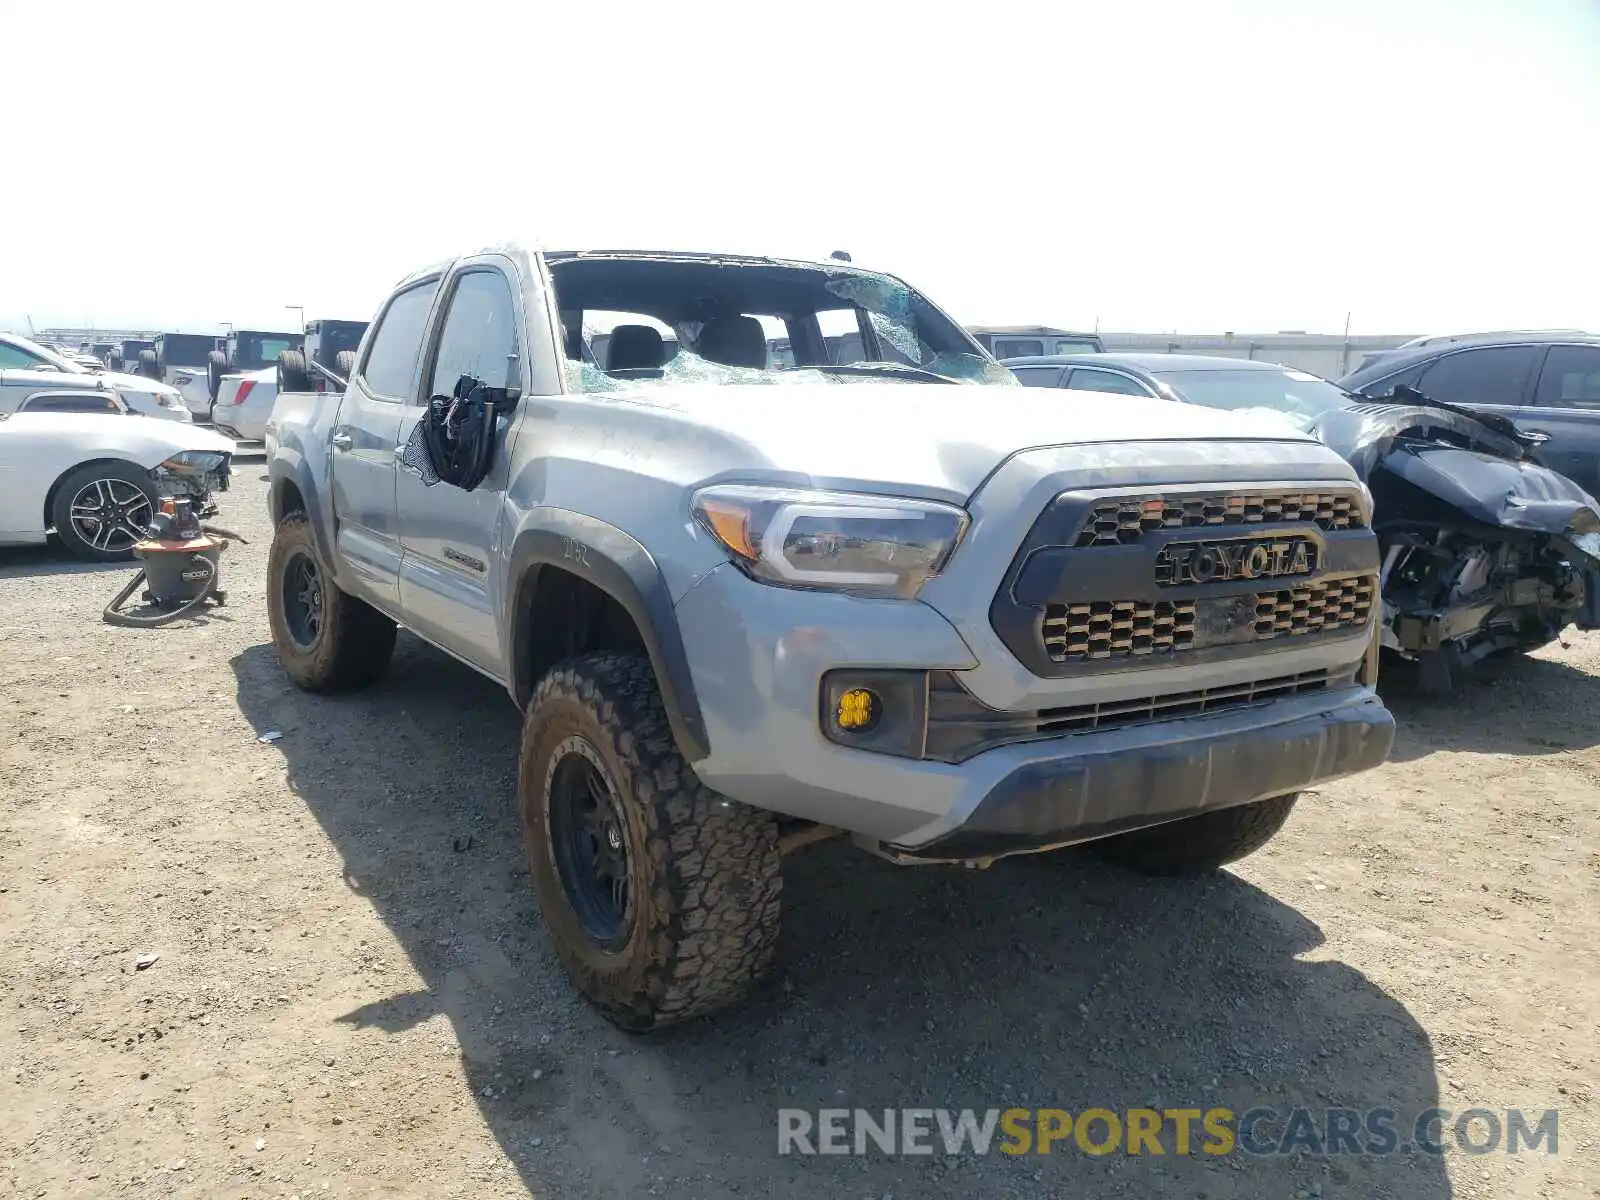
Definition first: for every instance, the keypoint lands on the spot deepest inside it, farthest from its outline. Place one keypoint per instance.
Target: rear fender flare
(621, 567)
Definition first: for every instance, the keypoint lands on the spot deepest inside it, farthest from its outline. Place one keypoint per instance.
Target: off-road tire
(701, 926)
(148, 366)
(60, 514)
(292, 373)
(114, 361)
(1199, 843)
(344, 364)
(355, 642)
(216, 368)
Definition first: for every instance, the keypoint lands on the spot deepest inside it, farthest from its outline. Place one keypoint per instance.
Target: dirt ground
(354, 996)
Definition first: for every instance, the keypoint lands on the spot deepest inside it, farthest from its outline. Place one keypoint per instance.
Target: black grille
(1314, 608)
(1116, 628)
(1185, 704)
(1122, 521)
(1104, 629)
(960, 727)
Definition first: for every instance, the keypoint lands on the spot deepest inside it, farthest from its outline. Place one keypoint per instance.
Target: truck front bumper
(1083, 793)
(758, 657)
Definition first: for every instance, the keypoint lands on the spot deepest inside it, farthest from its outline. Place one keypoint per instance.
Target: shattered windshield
(632, 320)
(1299, 396)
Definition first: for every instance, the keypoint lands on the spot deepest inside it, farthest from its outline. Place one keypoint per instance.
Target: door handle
(1538, 435)
(342, 441)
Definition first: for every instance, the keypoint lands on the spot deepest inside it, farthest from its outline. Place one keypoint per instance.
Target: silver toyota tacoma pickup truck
(876, 589)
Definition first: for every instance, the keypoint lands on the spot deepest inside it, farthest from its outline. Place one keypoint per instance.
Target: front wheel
(1200, 843)
(660, 895)
(327, 640)
(100, 511)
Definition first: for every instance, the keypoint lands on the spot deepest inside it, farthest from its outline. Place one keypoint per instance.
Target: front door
(1490, 379)
(1566, 410)
(365, 436)
(450, 573)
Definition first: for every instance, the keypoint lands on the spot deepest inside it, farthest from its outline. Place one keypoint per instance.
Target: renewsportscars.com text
(1259, 1131)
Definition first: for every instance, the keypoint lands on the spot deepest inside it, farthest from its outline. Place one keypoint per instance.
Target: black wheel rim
(110, 515)
(302, 599)
(589, 840)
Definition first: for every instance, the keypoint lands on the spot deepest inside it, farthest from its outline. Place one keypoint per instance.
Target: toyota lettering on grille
(1218, 562)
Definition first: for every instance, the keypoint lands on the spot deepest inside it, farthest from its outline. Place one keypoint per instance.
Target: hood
(1489, 476)
(930, 437)
(113, 435)
(125, 382)
(1364, 434)
(59, 381)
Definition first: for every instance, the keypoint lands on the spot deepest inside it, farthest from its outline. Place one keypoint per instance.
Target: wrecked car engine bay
(1484, 548)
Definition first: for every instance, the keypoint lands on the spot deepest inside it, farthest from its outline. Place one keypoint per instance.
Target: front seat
(635, 352)
(734, 342)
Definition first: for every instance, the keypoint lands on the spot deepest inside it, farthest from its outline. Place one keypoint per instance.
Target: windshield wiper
(875, 368)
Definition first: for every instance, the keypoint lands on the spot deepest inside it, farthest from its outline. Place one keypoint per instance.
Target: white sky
(1186, 165)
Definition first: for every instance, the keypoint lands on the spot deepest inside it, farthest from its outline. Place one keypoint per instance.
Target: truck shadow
(1039, 983)
(1515, 704)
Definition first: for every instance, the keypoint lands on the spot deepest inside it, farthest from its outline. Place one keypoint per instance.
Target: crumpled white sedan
(98, 479)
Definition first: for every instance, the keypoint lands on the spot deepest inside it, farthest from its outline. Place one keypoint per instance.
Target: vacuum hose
(136, 621)
(112, 615)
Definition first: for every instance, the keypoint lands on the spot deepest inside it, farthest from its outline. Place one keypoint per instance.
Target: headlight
(167, 401)
(195, 462)
(842, 541)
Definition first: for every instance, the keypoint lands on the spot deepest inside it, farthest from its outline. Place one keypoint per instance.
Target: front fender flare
(621, 567)
(283, 469)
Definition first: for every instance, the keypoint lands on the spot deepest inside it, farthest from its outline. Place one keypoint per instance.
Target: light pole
(301, 310)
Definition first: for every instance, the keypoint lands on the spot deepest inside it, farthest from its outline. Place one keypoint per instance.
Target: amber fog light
(881, 710)
(859, 710)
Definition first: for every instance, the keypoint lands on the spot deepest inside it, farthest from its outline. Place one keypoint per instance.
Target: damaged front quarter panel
(1485, 547)
(1487, 476)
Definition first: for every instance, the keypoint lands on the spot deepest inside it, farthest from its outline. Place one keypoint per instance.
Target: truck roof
(436, 268)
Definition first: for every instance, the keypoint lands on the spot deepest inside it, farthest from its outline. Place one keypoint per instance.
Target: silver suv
(746, 605)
